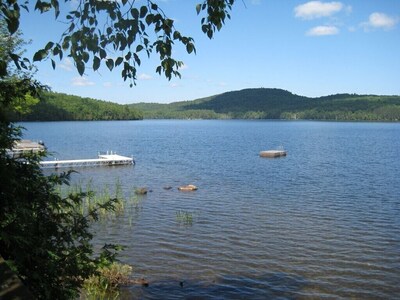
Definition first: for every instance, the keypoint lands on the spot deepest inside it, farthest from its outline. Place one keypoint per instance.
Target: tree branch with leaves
(117, 33)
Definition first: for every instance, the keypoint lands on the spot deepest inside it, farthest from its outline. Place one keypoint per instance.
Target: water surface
(323, 222)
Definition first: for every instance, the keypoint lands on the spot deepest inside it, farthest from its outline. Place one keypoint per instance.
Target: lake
(323, 222)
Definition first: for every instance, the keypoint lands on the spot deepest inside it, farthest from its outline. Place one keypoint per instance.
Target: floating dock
(109, 159)
(26, 146)
(273, 153)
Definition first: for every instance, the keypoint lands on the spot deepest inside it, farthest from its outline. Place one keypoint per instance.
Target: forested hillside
(245, 104)
(62, 107)
(278, 104)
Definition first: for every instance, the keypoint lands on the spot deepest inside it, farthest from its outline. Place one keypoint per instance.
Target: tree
(127, 29)
(42, 235)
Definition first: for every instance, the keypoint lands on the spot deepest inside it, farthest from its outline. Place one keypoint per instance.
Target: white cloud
(174, 85)
(184, 67)
(144, 76)
(107, 84)
(380, 21)
(323, 30)
(67, 65)
(81, 81)
(317, 9)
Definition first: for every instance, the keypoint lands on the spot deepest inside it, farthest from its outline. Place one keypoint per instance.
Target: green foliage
(62, 107)
(216, 13)
(97, 30)
(278, 104)
(44, 236)
(106, 282)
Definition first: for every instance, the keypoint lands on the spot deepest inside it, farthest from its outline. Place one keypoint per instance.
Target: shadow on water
(267, 286)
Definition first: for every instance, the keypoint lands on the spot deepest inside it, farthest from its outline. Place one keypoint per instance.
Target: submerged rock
(141, 191)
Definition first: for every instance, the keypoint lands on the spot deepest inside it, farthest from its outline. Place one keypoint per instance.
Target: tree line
(266, 103)
(244, 104)
(63, 107)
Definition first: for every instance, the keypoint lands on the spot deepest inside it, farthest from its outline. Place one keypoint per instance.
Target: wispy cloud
(144, 76)
(107, 84)
(174, 85)
(67, 65)
(317, 9)
(378, 20)
(323, 30)
(81, 81)
(184, 67)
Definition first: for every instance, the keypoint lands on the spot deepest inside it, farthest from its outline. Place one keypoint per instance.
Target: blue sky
(311, 48)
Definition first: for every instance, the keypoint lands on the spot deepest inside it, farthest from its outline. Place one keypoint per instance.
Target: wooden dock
(26, 146)
(109, 159)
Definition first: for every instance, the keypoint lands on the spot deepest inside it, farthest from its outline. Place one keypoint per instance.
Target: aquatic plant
(184, 217)
(107, 282)
(92, 198)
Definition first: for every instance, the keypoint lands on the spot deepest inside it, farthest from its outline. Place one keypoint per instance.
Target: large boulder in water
(188, 188)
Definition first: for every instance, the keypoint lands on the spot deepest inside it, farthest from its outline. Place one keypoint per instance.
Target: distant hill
(63, 107)
(263, 103)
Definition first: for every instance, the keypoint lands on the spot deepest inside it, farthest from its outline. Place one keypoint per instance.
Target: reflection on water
(322, 222)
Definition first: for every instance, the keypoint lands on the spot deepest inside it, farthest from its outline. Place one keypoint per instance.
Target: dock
(273, 153)
(26, 146)
(109, 159)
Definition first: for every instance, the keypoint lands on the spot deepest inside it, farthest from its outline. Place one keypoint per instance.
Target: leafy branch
(97, 30)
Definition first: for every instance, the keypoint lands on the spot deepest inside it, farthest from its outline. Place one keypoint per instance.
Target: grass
(184, 217)
(93, 198)
(106, 284)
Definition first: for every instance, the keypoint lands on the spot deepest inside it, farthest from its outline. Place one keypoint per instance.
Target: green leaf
(85, 57)
(81, 67)
(110, 64)
(49, 46)
(190, 48)
(198, 8)
(149, 19)
(143, 11)
(56, 7)
(135, 13)
(53, 64)
(39, 55)
(118, 61)
(103, 53)
(16, 58)
(139, 48)
(136, 58)
(96, 63)
(12, 25)
(177, 35)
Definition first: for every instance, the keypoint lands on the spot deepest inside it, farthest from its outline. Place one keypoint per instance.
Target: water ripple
(321, 223)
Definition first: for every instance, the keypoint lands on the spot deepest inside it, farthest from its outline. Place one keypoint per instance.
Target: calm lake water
(323, 222)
